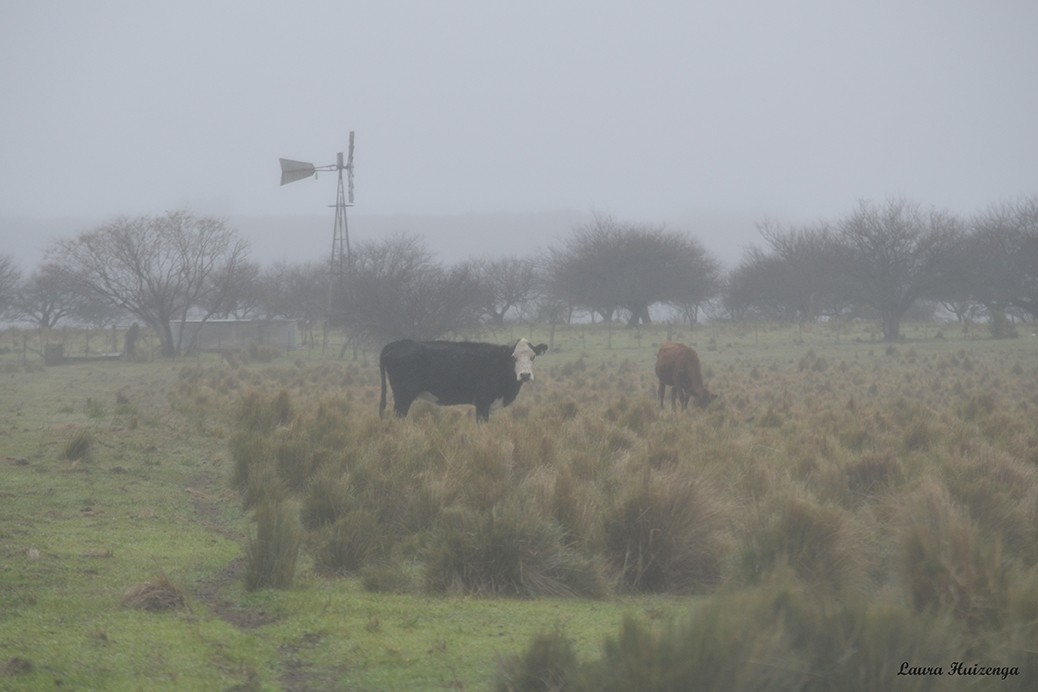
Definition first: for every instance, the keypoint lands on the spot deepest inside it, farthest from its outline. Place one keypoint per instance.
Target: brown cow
(677, 365)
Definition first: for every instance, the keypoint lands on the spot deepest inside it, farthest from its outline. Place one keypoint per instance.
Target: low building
(232, 335)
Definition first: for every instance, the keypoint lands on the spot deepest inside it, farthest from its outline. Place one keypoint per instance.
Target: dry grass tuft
(79, 446)
(158, 595)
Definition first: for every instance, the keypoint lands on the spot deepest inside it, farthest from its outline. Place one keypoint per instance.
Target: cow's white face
(524, 354)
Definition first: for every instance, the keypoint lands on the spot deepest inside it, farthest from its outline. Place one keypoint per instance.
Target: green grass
(844, 492)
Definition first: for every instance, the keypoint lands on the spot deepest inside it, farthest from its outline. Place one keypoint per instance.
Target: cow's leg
(674, 397)
(402, 404)
(662, 392)
(684, 399)
(482, 412)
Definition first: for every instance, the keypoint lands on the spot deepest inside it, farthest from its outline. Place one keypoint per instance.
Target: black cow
(455, 372)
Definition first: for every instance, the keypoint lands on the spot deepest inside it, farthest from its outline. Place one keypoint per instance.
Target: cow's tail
(382, 372)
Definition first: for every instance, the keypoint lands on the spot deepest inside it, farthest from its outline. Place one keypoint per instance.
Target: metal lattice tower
(341, 261)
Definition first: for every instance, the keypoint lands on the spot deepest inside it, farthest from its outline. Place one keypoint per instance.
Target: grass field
(843, 508)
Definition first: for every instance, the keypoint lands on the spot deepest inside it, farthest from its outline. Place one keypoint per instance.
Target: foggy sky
(704, 116)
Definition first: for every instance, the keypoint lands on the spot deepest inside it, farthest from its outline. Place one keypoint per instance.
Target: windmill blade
(292, 171)
(349, 168)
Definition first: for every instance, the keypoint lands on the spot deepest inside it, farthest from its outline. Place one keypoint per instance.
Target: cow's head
(523, 354)
(704, 399)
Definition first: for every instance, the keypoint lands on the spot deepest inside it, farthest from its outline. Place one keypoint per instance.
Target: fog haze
(494, 127)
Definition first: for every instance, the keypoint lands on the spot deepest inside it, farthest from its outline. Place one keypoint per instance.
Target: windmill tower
(341, 260)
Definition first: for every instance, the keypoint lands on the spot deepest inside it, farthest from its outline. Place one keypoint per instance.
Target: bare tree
(157, 268)
(894, 255)
(10, 276)
(607, 265)
(295, 291)
(735, 299)
(48, 296)
(809, 277)
(243, 297)
(999, 259)
(798, 276)
(759, 287)
(396, 290)
(507, 284)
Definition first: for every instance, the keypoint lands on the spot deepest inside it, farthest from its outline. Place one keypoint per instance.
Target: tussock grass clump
(635, 416)
(777, 636)
(811, 362)
(729, 644)
(79, 446)
(387, 577)
(873, 473)
(260, 353)
(549, 663)
(294, 457)
(664, 535)
(945, 563)
(247, 454)
(812, 539)
(259, 413)
(507, 551)
(271, 553)
(920, 435)
(999, 492)
(94, 408)
(576, 507)
(326, 499)
(159, 594)
(348, 544)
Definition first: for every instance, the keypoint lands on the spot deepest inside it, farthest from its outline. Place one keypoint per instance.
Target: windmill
(341, 260)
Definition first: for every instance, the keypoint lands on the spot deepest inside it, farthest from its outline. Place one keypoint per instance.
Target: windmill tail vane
(292, 170)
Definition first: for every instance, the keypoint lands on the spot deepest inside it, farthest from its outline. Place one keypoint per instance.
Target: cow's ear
(540, 349)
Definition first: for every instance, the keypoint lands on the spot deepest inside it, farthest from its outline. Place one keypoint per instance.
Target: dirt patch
(209, 498)
(16, 666)
(209, 502)
(297, 675)
(212, 591)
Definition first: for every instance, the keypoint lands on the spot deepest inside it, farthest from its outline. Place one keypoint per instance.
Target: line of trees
(882, 260)
(877, 262)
